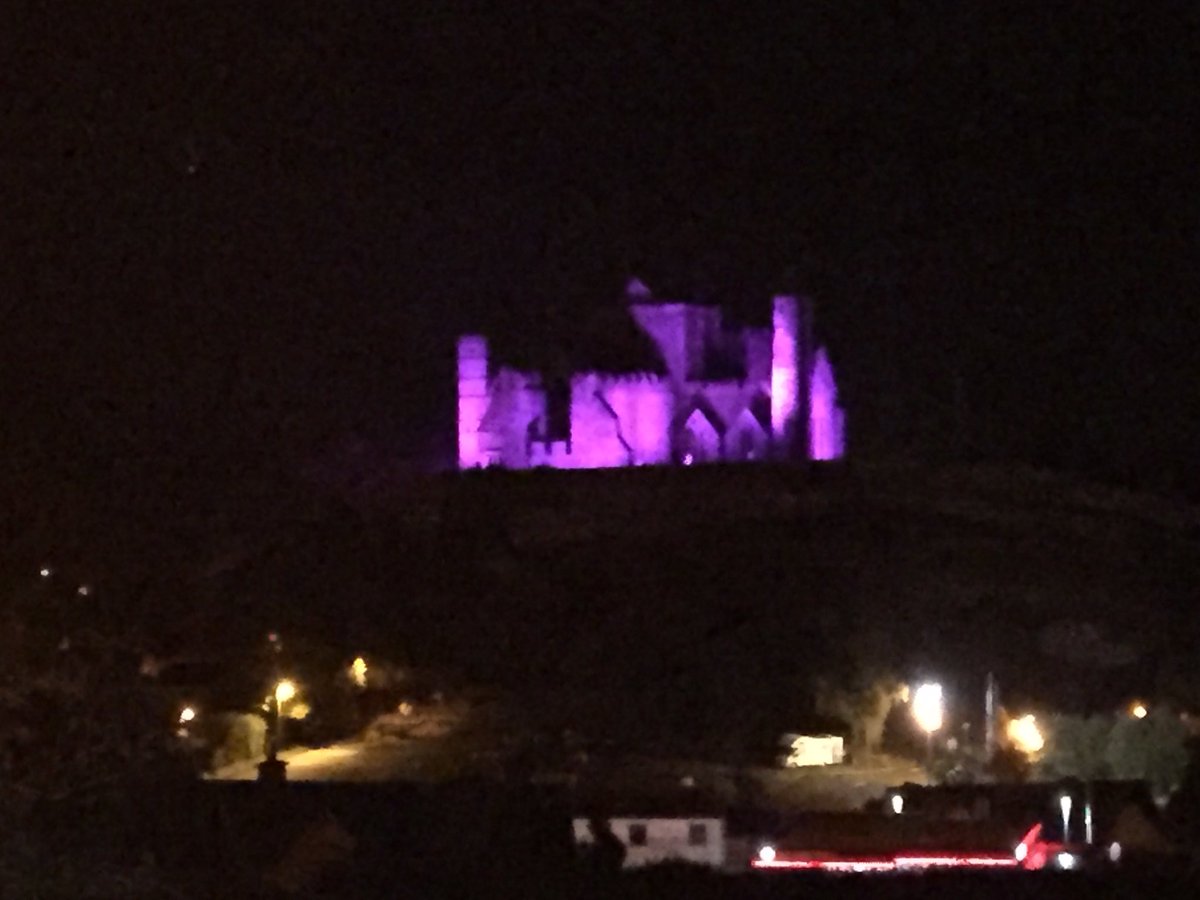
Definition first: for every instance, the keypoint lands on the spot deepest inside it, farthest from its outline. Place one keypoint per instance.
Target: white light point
(928, 707)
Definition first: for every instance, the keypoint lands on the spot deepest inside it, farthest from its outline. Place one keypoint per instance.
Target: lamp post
(273, 769)
(284, 691)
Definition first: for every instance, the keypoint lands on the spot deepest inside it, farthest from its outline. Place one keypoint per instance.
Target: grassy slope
(676, 601)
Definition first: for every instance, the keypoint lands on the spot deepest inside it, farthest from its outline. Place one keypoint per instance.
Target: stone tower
(472, 399)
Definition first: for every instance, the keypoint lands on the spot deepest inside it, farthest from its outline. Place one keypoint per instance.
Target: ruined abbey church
(721, 394)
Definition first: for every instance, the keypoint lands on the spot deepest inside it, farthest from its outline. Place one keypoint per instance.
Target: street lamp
(1065, 804)
(358, 672)
(285, 690)
(928, 709)
(273, 769)
(1025, 735)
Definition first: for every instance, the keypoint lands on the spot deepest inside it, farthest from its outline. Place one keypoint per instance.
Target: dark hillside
(701, 599)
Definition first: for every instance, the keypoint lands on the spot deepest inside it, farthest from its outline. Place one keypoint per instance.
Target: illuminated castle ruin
(726, 395)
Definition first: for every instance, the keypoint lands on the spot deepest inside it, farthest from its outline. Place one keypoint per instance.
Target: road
(836, 788)
(401, 760)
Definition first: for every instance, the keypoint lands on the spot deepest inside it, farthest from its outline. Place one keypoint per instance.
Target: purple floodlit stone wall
(682, 333)
(699, 440)
(473, 398)
(785, 406)
(758, 355)
(644, 407)
(827, 439)
(596, 438)
(747, 440)
(666, 326)
(785, 371)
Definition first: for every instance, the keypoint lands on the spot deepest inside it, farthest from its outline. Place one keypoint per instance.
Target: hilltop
(702, 601)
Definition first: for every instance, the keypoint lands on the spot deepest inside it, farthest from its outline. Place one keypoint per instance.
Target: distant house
(659, 838)
(803, 750)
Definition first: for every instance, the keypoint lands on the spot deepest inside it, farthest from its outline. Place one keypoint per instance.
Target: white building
(655, 839)
(813, 750)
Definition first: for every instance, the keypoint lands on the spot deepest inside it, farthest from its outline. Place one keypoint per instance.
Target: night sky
(236, 237)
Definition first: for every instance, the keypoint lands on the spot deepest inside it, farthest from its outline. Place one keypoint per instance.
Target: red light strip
(958, 861)
(877, 865)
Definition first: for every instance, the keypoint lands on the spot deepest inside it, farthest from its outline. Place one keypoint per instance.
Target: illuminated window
(697, 834)
(637, 835)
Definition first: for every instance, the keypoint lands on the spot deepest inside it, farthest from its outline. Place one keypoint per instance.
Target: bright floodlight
(186, 715)
(928, 707)
(1139, 711)
(284, 691)
(1065, 803)
(1025, 735)
(45, 572)
(767, 853)
(897, 804)
(358, 671)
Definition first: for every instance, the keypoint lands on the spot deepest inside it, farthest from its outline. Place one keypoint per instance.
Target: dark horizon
(235, 238)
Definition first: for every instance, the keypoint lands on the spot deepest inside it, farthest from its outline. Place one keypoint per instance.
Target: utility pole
(990, 703)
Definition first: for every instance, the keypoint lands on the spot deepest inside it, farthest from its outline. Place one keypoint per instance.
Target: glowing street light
(1065, 804)
(285, 690)
(187, 714)
(1138, 711)
(358, 672)
(929, 711)
(1025, 735)
(928, 707)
